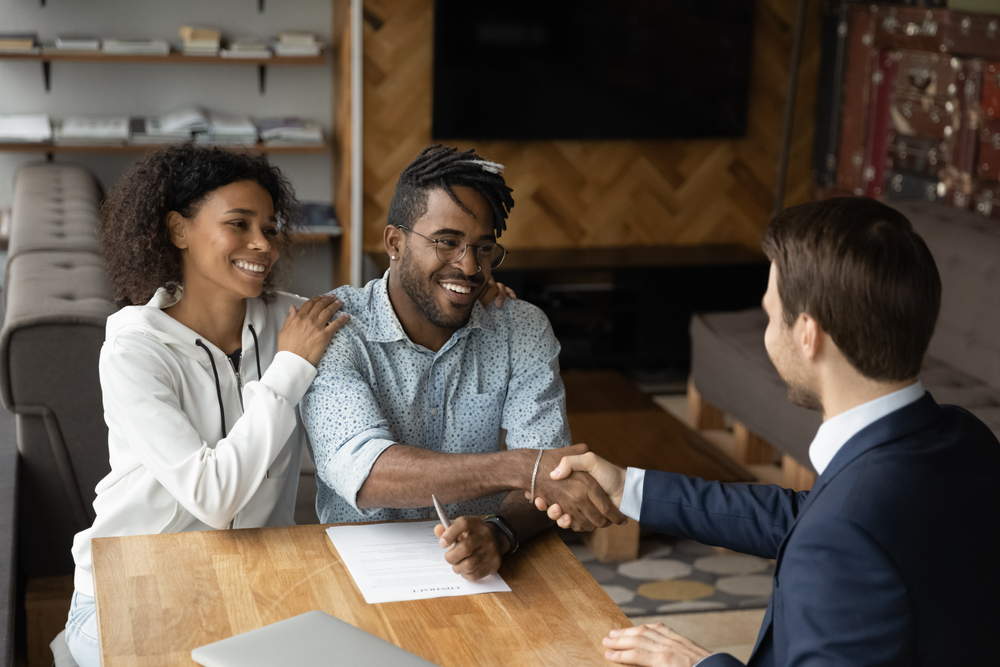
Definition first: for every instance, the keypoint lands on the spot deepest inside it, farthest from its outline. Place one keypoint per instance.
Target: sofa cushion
(966, 248)
(54, 208)
(732, 371)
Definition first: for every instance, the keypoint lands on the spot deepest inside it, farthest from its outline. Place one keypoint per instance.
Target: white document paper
(403, 561)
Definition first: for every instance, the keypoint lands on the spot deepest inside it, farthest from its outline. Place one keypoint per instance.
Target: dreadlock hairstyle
(441, 167)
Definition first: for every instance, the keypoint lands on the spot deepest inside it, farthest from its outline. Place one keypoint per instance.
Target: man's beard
(803, 397)
(799, 392)
(420, 293)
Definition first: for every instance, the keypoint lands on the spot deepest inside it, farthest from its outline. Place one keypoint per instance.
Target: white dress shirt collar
(835, 432)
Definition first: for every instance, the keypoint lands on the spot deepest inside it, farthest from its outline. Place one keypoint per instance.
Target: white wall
(140, 90)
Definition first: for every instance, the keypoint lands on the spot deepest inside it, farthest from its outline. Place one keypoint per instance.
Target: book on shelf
(318, 218)
(91, 130)
(25, 128)
(246, 47)
(186, 119)
(200, 41)
(146, 130)
(228, 129)
(77, 42)
(153, 47)
(18, 41)
(296, 50)
(289, 131)
(295, 43)
(195, 33)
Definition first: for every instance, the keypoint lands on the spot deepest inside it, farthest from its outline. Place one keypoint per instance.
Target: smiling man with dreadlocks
(414, 396)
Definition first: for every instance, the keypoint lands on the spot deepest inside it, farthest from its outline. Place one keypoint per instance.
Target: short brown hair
(857, 267)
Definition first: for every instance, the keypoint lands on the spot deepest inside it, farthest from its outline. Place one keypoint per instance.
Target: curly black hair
(133, 233)
(438, 166)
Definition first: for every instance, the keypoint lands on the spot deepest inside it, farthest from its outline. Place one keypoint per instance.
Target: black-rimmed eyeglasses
(451, 249)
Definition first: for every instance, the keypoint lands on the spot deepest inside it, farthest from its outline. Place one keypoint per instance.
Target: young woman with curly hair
(202, 370)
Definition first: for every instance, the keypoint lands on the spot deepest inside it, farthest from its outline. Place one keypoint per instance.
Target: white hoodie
(173, 468)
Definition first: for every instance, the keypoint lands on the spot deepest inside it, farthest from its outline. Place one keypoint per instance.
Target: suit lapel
(910, 418)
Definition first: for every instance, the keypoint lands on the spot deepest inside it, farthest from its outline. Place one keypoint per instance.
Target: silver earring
(394, 257)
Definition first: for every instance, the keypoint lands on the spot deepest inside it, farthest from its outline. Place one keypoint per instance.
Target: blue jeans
(81, 631)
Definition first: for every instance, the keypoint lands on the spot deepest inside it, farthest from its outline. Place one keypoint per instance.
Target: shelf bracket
(260, 6)
(43, 2)
(262, 78)
(47, 75)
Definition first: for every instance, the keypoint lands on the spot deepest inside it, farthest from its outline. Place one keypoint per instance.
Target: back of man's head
(857, 267)
(443, 167)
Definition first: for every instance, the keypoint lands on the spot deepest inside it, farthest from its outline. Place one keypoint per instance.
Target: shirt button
(434, 411)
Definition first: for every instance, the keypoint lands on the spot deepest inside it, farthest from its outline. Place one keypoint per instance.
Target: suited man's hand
(610, 477)
(653, 645)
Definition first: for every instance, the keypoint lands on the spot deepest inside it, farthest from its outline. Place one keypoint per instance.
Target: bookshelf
(123, 148)
(46, 58)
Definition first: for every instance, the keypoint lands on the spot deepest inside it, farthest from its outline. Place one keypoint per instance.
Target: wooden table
(159, 596)
(619, 423)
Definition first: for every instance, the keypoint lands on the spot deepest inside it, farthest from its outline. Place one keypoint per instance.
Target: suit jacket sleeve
(828, 566)
(749, 518)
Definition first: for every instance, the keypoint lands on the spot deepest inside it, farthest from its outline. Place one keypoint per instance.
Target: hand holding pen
(472, 548)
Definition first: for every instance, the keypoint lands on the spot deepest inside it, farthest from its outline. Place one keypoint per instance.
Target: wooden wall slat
(599, 193)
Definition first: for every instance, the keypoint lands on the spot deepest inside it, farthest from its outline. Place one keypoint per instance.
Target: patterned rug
(673, 575)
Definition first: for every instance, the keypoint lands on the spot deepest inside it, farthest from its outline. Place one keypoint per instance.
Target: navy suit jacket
(890, 559)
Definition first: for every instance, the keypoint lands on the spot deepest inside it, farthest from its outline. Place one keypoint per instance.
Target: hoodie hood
(149, 320)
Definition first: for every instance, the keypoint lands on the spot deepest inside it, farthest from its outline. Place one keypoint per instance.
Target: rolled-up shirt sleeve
(347, 431)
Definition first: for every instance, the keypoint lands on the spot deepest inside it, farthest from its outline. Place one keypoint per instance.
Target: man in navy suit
(886, 560)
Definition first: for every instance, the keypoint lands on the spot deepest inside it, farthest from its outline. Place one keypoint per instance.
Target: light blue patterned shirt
(376, 388)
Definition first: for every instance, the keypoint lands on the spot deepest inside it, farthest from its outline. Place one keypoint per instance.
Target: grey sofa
(731, 369)
(57, 303)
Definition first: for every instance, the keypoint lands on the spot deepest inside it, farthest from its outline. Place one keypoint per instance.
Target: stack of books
(148, 131)
(289, 131)
(200, 41)
(25, 128)
(187, 119)
(228, 129)
(149, 47)
(246, 47)
(298, 44)
(75, 42)
(79, 130)
(19, 42)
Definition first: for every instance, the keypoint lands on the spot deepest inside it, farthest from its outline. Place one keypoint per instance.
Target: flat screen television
(591, 69)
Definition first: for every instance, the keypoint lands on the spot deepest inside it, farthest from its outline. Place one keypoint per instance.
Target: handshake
(578, 490)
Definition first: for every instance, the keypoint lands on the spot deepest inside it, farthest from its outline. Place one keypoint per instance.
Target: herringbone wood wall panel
(598, 193)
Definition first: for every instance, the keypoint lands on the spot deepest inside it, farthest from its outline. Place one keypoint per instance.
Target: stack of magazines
(78, 130)
(152, 47)
(25, 128)
(200, 41)
(246, 47)
(76, 42)
(298, 44)
(228, 129)
(289, 131)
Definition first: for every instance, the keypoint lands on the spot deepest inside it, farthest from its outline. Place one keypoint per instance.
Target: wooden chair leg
(751, 449)
(797, 476)
(703, 415)
(614, 543)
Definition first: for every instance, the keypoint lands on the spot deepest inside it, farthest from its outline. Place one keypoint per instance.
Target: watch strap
(506, 529)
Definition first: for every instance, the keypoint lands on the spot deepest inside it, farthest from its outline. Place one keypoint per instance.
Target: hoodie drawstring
(218, 387)
(255, 352)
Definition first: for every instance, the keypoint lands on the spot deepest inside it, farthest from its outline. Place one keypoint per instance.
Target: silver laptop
(313, 639)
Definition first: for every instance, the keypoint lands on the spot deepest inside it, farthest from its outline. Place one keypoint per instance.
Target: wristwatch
(506, 529)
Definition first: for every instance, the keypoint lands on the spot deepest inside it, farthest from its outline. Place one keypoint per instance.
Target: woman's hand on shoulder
(496, 292)
(308, 330)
